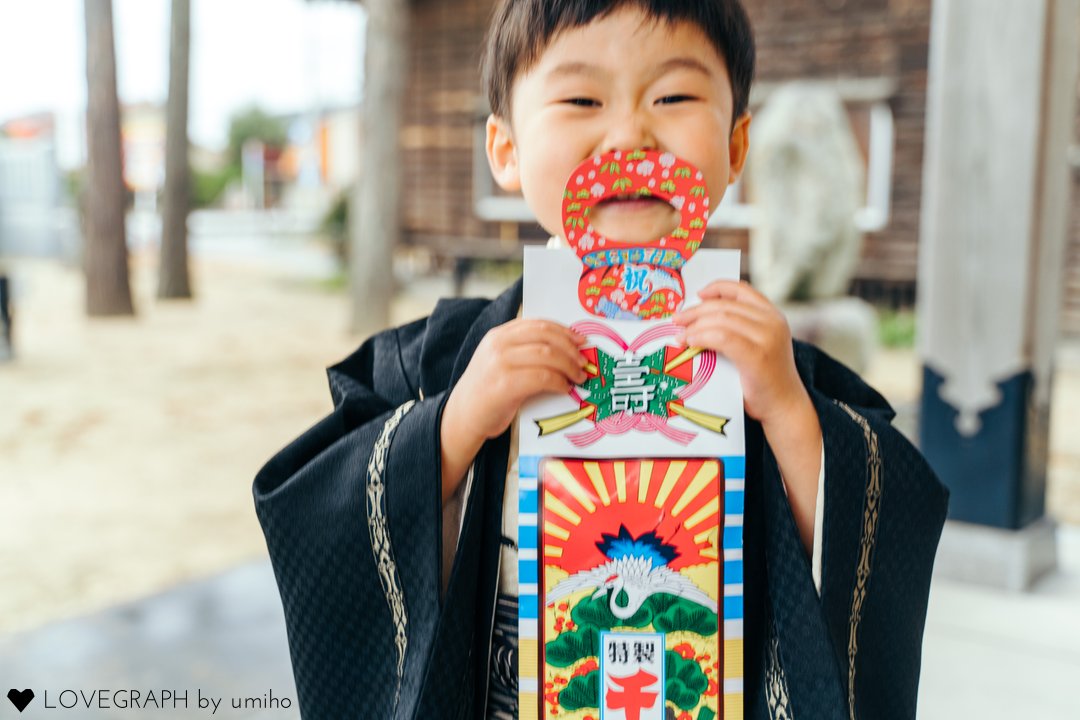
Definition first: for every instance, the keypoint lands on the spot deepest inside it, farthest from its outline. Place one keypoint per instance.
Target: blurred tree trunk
(375, 219)
(173, 277)
(108, 291)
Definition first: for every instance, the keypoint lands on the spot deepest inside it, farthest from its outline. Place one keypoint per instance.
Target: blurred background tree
(108, 289)
(375, 220)
(173, 276)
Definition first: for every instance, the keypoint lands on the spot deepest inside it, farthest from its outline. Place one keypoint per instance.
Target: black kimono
(352, 515)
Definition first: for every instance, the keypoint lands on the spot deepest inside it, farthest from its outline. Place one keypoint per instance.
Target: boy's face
(622, 82)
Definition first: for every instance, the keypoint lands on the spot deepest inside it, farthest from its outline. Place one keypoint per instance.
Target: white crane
(635, 576)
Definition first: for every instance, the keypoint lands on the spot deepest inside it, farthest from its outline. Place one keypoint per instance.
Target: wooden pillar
(375, 216)
(1000, 113)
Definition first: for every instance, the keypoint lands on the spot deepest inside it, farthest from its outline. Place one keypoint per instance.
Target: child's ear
(739, 147)
(502, 154)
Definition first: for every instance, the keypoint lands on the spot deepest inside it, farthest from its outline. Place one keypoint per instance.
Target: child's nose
(630, 132)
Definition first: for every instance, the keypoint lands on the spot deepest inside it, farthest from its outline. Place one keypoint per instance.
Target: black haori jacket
(353, 520)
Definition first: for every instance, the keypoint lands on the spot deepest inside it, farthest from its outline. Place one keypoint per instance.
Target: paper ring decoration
(633, 281)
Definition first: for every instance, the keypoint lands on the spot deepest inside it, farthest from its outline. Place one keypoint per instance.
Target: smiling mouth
(633, 198)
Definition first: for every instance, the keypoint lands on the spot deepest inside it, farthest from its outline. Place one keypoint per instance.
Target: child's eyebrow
(681, 63)
(582, 68)
(577, 68)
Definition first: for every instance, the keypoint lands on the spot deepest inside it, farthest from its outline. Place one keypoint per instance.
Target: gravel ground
(128, 446)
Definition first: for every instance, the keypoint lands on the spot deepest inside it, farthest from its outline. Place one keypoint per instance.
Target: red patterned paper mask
(633, 281)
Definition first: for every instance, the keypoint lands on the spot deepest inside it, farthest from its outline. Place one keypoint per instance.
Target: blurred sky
(284, 55)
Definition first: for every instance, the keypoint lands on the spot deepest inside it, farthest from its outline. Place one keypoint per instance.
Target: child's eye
(671, 99)
(582, 102)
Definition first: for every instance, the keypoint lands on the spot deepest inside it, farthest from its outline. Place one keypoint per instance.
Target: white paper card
(620, 424)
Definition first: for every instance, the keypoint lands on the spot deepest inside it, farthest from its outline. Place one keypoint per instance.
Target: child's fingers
(531, 330)
(542, 355)
(534, 380)
(542, 332)
(559, 348)
(733, 290)
(720, 306)
(733, 345)
(729, 335)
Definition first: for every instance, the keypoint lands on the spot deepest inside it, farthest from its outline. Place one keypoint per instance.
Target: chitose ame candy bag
(631, 485)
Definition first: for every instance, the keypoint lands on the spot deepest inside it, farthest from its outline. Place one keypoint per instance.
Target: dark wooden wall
(442, 109)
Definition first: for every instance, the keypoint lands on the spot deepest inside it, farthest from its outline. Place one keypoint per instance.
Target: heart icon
(20, 698)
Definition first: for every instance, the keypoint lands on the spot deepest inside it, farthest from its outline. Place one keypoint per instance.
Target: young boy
(385, 522)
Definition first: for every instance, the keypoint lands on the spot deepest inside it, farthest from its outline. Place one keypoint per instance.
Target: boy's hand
(513, 363)
(740, 323)
(737, 321)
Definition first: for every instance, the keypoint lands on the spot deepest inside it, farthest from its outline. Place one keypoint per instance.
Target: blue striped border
(528, 571)
(733, 572)
(528, 607)
(528, 501)
(733, 607)
(529, 466)
(734, 467)
(528, 536)
(733, 502)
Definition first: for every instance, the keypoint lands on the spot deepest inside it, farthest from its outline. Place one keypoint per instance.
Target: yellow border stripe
(706, 474)
(568, 481)
(529, 705)
(733, 668)
(733, 706)
(528, 657)
(675, 469)
(733, 658)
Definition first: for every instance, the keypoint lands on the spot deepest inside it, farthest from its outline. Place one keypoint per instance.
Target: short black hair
(521, 30)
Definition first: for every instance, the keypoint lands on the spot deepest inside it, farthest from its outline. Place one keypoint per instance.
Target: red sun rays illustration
(680, 500)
